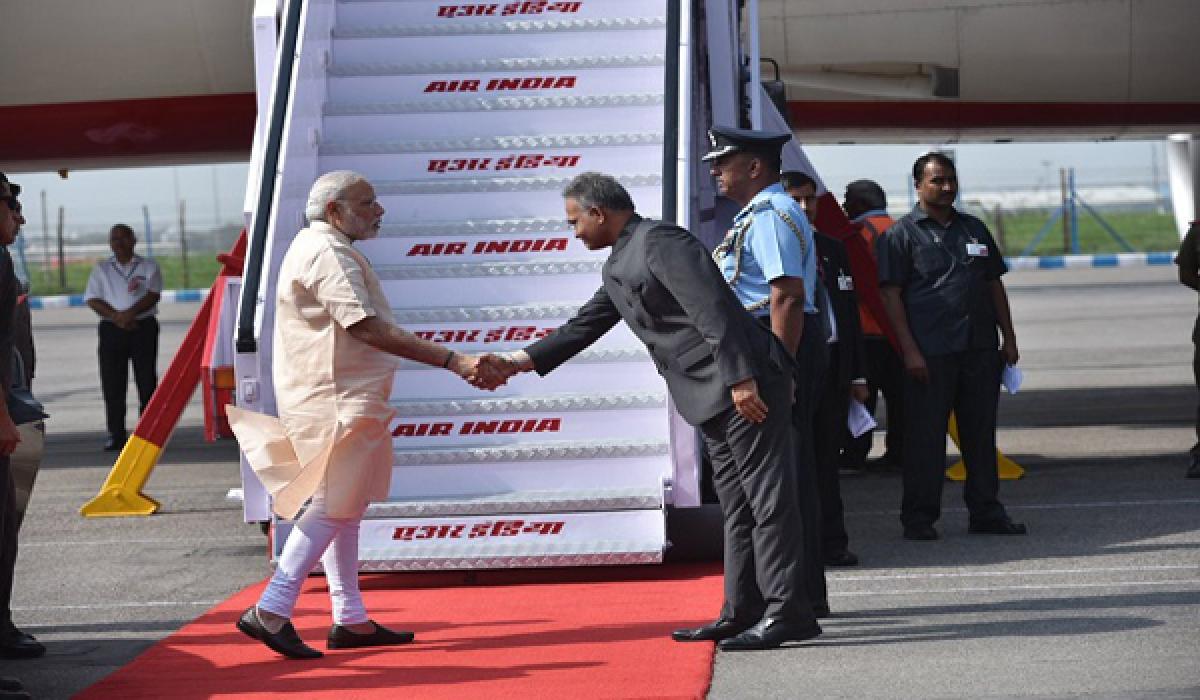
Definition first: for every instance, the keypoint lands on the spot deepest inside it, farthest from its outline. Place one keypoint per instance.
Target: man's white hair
(329, 188)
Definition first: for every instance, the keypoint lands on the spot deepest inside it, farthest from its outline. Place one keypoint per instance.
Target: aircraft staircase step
(566, 501)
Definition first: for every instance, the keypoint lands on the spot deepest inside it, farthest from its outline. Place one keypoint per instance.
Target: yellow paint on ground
(1007, 468)
(122, 490)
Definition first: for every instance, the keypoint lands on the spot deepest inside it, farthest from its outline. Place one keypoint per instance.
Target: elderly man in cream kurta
(336, 347)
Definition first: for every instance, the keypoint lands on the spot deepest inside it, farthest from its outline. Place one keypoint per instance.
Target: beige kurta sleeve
(336, 280)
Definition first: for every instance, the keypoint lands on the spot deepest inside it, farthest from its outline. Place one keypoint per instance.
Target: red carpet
(567, 633)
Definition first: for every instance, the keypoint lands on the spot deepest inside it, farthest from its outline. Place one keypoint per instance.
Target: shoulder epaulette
(762, 205)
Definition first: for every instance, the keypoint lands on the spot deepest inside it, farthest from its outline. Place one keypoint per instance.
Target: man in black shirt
(939, 273)
(1188, 261)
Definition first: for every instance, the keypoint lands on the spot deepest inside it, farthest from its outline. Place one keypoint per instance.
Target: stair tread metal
(492, 104)
(530, 404)
(494, 65)
(530, 452)
(487, 269)
(397, 31)
(492, 143)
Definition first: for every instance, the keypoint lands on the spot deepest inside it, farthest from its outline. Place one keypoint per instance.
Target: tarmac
(1100, 600)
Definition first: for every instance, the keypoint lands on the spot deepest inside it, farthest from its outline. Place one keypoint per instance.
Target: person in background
(939, 273)
(843, 378)
(866, 205)
(14, 644)
(124, 291)
(26, 459)
(769, 260)
(1188, 261)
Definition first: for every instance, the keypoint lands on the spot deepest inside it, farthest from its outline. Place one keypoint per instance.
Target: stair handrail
(245, 341)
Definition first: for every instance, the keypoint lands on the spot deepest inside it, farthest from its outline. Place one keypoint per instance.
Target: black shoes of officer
(11, 689)
(1002, 526)
(842, 557)
(114, 443)
(716, 631)
(285, 641)
(769, 633)
(1193, 471)
(15, 644)
(343, 638)
(921, 532)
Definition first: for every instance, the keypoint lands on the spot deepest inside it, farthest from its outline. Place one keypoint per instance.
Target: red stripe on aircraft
(918, 114)
(167, 127)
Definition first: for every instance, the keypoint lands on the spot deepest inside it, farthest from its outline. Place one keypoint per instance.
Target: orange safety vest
(871, 228)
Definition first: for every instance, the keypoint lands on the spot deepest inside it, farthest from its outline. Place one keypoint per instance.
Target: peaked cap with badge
(724, 140)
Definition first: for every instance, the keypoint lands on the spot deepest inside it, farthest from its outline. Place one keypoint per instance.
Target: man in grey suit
(727, 374)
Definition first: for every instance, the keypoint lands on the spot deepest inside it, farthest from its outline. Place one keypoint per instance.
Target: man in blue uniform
(770, 261)
(939, 273)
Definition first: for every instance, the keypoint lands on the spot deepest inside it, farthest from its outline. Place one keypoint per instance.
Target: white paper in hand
(859, 420)
(1011, 378)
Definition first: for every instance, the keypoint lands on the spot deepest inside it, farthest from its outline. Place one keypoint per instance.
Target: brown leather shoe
(342, 638)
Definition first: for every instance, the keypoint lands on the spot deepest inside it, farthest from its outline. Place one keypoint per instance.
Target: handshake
(490, 370)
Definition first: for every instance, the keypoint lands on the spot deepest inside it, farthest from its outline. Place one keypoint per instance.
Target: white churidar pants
(333, 542)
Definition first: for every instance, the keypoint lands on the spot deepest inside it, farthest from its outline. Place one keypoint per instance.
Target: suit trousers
(1196, 374)
(967, 383)
(829, 433)
(885, 375)
(756, 486)
(119, 347)
(8, 541)
(812, 360)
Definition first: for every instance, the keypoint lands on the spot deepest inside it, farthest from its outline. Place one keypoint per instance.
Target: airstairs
(469, 119)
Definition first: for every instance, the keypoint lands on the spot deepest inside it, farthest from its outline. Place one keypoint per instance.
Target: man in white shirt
(124, 291)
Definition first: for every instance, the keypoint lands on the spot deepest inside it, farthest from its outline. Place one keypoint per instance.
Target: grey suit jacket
(662, 282)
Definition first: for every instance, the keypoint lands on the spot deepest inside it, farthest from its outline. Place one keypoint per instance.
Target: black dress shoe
(821, 611)
(1193, 471)
(1003, 526)
(343, 638)
(114, 443)
(15, 644)
(843, 558)
(721, 629)
(923, 533)
(285, 641)
(769, 633)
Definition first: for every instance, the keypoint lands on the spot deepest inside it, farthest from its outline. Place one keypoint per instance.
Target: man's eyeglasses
(11, 202)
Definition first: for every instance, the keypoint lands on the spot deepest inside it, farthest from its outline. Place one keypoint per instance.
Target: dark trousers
(8, 542)
(829, 433)
(812, 359)
(967, 383)
(1196, 375)
(885, 374)
(756, 487)
(117, 349)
